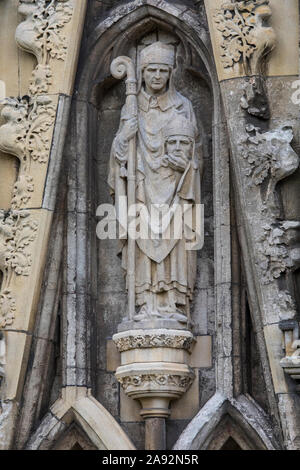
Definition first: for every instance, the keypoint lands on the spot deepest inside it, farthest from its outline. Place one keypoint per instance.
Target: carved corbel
(26, 133)
(277, 254)
(266, 159)
(155, 367)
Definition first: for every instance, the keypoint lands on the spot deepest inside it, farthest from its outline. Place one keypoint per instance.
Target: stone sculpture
(167, 179)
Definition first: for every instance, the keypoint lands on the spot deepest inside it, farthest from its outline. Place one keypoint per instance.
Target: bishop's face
(156, 77)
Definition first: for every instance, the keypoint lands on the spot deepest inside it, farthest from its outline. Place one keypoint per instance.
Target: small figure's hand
(129, 129)
(177, 163)
(165, 161)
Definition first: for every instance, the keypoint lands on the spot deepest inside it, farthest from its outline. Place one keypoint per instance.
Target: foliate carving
(17, 233)
(41, 34)
(245, 38)
(265, 154)
(26, 135)
(155, 339)
(155, 384)
(152, 381)
(7, 308)
(274, 252)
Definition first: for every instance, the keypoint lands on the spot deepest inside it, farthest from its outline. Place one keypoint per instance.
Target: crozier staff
(162, 267)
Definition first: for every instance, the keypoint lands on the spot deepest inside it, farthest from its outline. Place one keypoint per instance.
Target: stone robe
(161, 265)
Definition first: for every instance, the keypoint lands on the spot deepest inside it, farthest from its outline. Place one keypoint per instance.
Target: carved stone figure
(167, 177)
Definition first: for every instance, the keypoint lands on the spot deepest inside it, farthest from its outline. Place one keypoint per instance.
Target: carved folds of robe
(165, 270)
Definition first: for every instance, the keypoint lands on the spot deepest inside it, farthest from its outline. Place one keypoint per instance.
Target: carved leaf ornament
(26, 134)
(17, 233)
(236, 21)
(274, 253)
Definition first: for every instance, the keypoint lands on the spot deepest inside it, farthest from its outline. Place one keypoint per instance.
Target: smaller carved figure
(172, 277)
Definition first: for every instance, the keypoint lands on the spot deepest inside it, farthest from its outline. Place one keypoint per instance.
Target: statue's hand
(177, 163)
(129, 129)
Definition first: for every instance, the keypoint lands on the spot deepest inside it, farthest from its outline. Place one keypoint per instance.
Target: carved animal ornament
(41, 34)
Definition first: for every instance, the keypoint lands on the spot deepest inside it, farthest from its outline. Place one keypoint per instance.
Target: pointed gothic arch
(221, 418)
(78, 406)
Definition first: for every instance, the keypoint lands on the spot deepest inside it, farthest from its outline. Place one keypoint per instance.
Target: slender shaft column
(155, 434)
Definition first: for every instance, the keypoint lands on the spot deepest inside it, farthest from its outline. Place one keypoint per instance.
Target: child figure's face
(179, 146)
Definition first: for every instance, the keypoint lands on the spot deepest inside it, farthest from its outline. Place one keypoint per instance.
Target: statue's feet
(172, 313)
(162, 313)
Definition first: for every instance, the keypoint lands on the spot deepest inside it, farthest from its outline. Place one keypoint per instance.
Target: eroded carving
(155, 385)
(41, 34)
(17, 233)
(245, 37)
(270, 157)
(274, 252)
(255, 99)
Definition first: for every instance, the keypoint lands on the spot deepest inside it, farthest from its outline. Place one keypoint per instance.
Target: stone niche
(99, 102)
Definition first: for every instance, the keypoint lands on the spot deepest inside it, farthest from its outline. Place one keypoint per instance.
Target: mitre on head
(158, 53)
(179, 126)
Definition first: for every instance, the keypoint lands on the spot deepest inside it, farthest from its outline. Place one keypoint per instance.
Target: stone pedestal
(154, 367)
